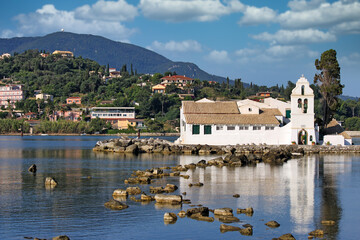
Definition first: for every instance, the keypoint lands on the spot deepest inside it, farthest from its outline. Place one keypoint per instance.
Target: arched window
(299, 103)
(302, 90)
(305, 105)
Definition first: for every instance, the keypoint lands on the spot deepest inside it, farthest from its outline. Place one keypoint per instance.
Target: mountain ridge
(106, 51)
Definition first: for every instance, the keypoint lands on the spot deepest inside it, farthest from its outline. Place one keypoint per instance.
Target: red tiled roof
(177, 77)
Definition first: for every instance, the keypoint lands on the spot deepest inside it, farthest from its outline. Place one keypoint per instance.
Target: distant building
(71, 100)
(160, 88)
(135, 123)
(67, 115)
(119, 117)
(44, 96)
(64, 53)
(5, 55)
(12, 92)
(30, 115)
(178, 80)
(264, 94)
(115, 74)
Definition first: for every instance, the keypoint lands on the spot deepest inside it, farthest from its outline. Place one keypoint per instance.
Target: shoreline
(77, 134)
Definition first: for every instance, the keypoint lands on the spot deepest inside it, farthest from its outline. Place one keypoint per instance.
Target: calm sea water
(299, 194)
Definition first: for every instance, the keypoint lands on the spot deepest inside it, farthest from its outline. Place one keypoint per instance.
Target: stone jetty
(238, 154)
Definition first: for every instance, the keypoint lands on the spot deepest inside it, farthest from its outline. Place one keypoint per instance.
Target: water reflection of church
(298, 187)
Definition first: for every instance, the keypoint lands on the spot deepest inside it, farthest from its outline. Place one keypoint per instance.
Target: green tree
(329, 82)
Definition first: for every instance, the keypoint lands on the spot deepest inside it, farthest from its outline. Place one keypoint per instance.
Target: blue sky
(264, 42)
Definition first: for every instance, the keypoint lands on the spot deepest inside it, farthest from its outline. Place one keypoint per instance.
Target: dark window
(195, 129)
(288, 113)
(207, 129)
(299, 103)
(302, 90)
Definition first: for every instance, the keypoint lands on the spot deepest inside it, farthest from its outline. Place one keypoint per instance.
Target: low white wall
(334, 140)
(280, 135)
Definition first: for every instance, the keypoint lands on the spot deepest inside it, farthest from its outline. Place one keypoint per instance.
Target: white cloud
(276, 53)
(254, 16)
(301, 5)
(296, 36)
(184, 46)
(107, 10)
(347, 28)
(188, 10)
(325, 15)
(48, 19)
(219, 56)
(352, 60)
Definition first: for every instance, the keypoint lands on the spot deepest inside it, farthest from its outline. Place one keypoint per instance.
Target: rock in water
(32, 168)
(317, 233)
(133, 190)
(170, 217)
(63, 237)
(115, 205)
(287, 236)
(120, 192)
(170, 199)
(272, 224)
(226, 228)
(49, 181)
(223, 211)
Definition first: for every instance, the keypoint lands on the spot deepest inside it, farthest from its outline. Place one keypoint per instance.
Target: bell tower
(302, 113)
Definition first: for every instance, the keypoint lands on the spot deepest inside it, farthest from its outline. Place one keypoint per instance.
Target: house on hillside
(64, 53)
(12, 93)
(272, 122)
(160, 88)
(71, 100)
(44, 96)
(5, 55)
(178, 80)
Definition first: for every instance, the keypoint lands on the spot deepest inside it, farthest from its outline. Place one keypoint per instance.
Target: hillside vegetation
(77, 76)
(106, 51)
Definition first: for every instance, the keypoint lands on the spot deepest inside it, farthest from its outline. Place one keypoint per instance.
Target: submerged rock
(227, 228)
(272, 224)
(317, 233)
(115, 205)
(63, 237)
(287, 236)
(247, 231)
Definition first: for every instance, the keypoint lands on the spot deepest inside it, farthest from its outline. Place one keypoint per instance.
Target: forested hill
(106, 51)
(53, 74)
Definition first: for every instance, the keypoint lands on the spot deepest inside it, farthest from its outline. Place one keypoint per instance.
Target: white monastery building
(273, 122)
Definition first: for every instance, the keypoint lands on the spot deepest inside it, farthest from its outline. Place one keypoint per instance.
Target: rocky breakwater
(238, 155)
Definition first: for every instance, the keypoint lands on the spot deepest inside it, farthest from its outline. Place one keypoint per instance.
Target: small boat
(44, 134)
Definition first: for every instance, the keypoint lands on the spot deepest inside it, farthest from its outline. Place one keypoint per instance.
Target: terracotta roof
(232, 119)
(226, 112)
(177, 77)
(226, 107)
